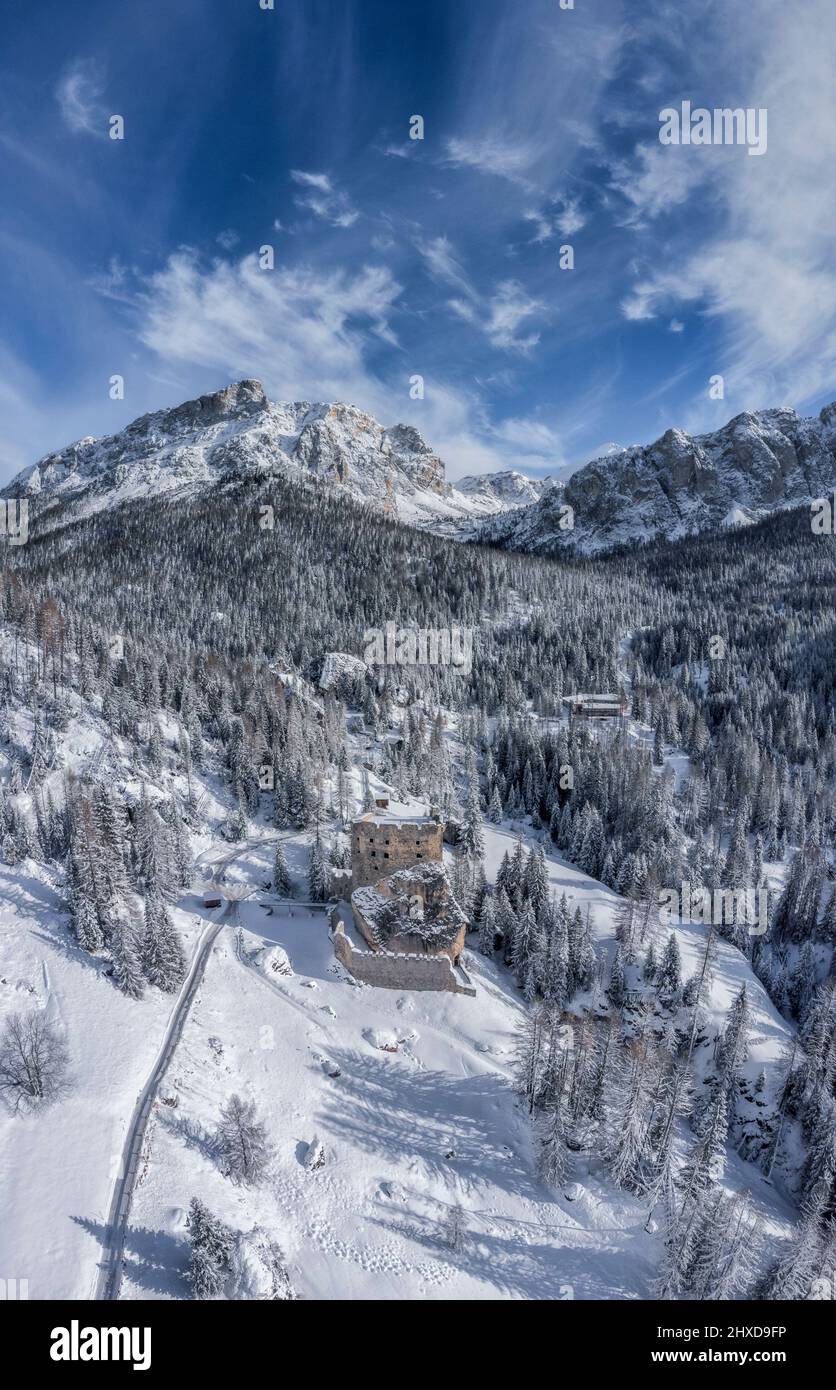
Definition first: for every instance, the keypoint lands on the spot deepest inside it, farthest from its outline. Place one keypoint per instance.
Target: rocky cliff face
(682, 484)
(238, 432)
(507, 488)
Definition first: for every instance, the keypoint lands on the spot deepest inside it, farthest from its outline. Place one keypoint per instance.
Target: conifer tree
(669, 974)
(127, 964)
(318, 871)
(210, 1248)
(472, 840)
(242, 1143)
(487, 928)
(163, 958)
(282, 882)
(553, 1155)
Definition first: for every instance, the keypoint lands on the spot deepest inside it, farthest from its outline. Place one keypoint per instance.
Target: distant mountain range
(680, 485)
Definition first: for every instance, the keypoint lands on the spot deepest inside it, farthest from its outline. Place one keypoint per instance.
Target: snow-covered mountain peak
(759, 462)
(508, 487)
(237, 432)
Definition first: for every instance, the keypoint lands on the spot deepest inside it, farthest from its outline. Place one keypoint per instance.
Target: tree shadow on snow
(382, 1107)
(190, 1132)
(153, 1260)
(525, 1263)
(157, 1261)
(68, 947)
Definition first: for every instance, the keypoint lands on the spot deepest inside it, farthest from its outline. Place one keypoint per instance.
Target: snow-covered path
(109, 1274)
(407, 1135)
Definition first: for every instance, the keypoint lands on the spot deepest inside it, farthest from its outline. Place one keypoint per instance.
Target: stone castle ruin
(381, 843)
(402, 928)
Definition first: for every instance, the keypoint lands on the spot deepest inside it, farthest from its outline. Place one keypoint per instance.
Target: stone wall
(388, 970)
(405, 942)
(380, 846)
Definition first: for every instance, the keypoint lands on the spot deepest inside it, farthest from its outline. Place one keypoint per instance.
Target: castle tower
(382, 842)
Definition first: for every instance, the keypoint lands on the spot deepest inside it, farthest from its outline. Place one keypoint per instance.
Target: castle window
(372, 854)
(419, 856)
(385, 855)
(385, 842)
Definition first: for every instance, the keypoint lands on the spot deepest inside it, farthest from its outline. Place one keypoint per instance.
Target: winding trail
(109, 1276)
(109, 1270)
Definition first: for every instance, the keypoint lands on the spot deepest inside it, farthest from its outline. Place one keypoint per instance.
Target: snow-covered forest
(631, 1106)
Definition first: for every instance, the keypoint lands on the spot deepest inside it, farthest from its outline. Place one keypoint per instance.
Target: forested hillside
(193, 636)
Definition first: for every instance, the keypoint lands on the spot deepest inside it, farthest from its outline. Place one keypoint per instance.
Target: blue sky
(396, 257)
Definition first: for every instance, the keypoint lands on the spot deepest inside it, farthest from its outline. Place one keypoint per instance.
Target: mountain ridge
(678, 485)
(238, 432)
(681, 485)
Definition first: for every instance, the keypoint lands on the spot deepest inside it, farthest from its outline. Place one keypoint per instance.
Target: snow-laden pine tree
(241, 1141)
(163, 958)
(553, 1158)
(531, 1055)
(706, 1163)
(455, 1229)
(211, 1244)
(524, 931)
(282, 882)
(807, 1257)
(471, 838)
(318, 878)
(83, 906)
(669, 974)
(145, 844)
(487, 928)
(628, 1113)
(88, 876)
(126, 954)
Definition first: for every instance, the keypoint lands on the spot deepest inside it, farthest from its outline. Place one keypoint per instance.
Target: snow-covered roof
(597, 699)
(395, 818)
(429, 873)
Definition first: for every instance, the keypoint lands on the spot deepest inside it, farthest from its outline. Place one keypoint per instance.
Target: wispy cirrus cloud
(78, 93)
(324, 200)
(440, 259)
(765, 273)
(305, 333)
(658, 179)
(541, 126)
(491, 154)
(313, 336)
(500, 315)
(569, 220)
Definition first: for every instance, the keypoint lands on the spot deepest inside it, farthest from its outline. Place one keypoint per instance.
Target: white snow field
(407, 1134)
(59, 1164)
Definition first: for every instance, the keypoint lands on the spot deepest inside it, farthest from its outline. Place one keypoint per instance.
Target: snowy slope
(507, 488)
(238, 433)
(407, 1134)
(59, 1165)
